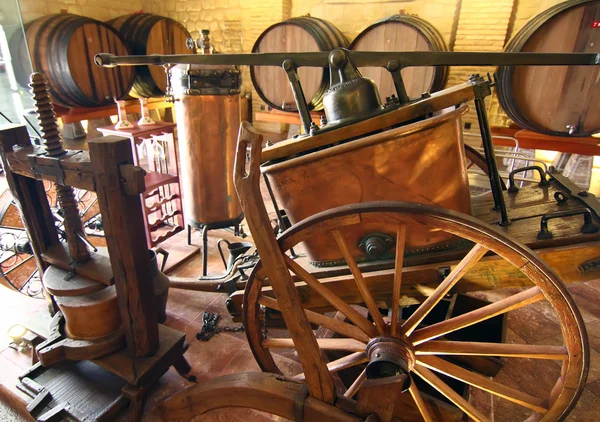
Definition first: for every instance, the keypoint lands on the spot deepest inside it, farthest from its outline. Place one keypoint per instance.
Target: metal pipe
(359, 59)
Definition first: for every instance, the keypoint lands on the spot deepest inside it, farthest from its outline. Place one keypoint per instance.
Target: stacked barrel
(63, 47)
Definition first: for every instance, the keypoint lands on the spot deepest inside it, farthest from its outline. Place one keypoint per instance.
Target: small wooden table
(164, 215)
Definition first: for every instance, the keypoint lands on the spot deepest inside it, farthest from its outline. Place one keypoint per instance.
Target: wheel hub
(388, 357)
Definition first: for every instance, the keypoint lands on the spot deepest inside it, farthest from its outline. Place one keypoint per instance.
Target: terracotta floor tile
(533, 376)
(531, 324)
(504, 410)
(594, 387)
(587, 408)
(587, 299)
(242, 361)
(210, 358)
(188, 304)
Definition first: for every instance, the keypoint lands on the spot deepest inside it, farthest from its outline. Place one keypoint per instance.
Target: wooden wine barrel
(403, 33)
(145, 33)
(560, 99)
(63, 47)
(303, 34)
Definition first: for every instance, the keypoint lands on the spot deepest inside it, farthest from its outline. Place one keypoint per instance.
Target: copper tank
(420, 162)
(207, 104)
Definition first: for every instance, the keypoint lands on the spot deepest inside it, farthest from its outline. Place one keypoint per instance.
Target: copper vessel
(208, 118)
(420, 162)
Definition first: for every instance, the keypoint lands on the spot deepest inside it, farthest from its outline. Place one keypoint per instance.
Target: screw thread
(46, 116)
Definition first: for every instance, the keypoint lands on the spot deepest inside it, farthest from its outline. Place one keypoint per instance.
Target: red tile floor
(229, 352)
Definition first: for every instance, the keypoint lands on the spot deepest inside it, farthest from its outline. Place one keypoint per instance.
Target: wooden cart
(371, 259)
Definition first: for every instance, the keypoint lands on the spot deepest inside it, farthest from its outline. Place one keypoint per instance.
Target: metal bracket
(292, 72)
(299, 403)
(481, 89)
(574, 191)
(588, 225)
(394, 68)
(55, 167)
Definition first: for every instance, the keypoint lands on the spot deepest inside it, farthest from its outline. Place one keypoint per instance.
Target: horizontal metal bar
(360, 59)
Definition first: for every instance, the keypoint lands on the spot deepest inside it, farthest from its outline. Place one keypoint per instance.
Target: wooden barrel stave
(301, 34)
(55, 44)
(548, 99)
(144, 34)
(403, 33)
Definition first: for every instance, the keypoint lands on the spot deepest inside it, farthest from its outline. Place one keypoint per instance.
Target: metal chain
(265, 332)
(209, 327)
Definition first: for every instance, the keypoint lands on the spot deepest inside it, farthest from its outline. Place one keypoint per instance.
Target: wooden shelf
(533, 140)
(155, 180)
(139, 132)
(77, 114)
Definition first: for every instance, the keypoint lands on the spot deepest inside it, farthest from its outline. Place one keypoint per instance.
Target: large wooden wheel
(389, 345)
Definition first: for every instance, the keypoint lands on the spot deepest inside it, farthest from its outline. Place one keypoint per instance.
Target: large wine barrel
(144, 34)
(560, 100)
(403, 33)
(63, 48)
(303, 34)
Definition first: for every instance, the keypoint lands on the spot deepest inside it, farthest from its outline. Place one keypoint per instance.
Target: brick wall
(466, 25)
(352, 16)
(102, 10)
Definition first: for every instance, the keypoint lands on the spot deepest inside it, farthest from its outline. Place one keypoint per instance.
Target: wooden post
(124, 230)
(30, 197)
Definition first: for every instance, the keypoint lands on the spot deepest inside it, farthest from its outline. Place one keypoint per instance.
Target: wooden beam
(125, 235)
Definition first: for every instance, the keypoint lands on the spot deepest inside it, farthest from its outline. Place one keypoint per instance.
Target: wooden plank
(97, 268)
(30, 197)
(261, 391)
(76, 168)
(247, 184)
(141, 370)
(77, 114)
(124, 231)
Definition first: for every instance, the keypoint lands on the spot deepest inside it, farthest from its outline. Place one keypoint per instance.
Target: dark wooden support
(124, 234)
(379, 396)
(30, 197)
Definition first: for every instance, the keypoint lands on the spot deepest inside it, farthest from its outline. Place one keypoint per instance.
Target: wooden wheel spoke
(442, 290)
(421, 404)
(353, 359)
(479, 381)
(353, 389)
(363, 323)
(346, 344)
(360, 281)
(400, 240)
(332, 324)
(510, 303)
(469, 348)
(431, 379)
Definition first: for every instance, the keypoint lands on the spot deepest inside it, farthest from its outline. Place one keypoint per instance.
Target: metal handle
(588, 225)
(165, 255)
(512, 187)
